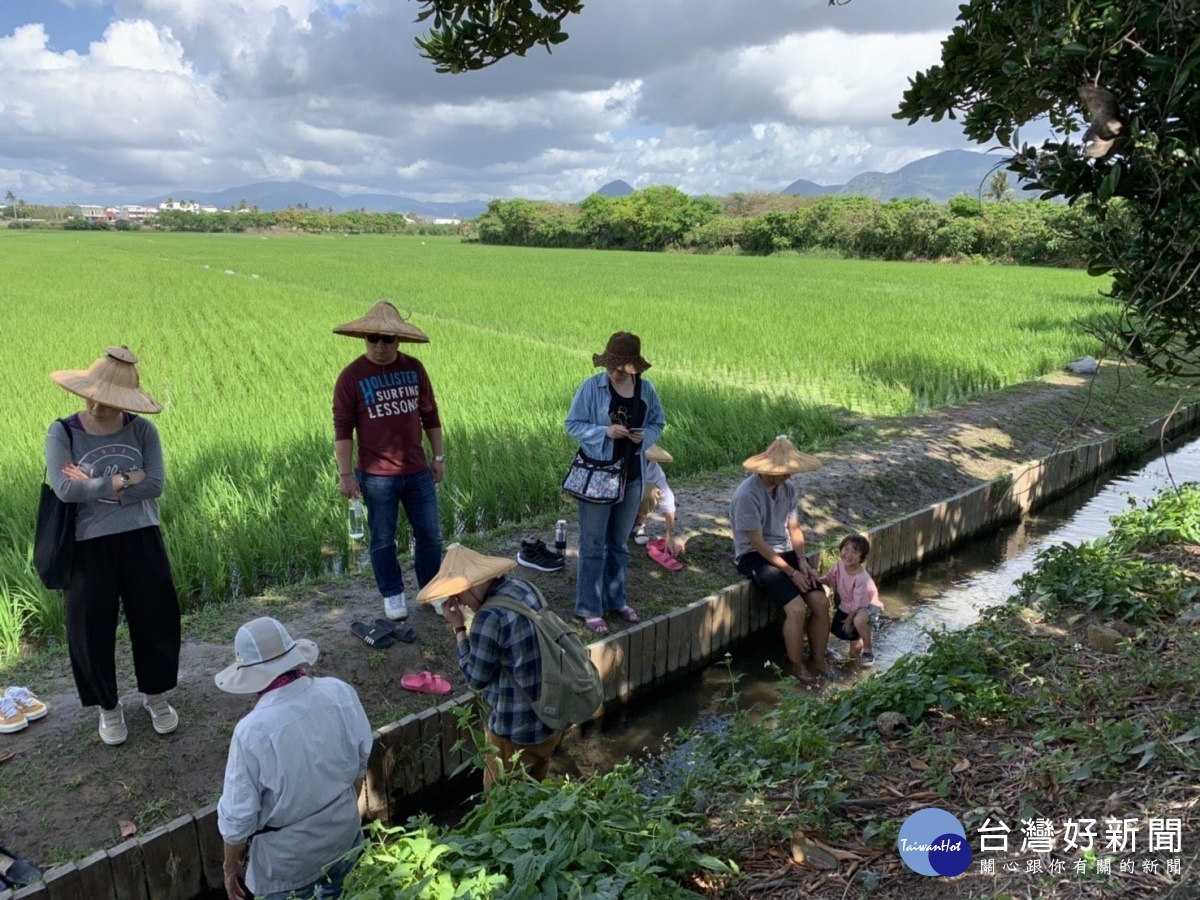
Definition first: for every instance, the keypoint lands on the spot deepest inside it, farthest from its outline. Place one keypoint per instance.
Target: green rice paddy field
(234, 336)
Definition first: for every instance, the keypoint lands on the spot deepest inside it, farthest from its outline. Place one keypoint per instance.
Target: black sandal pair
(384, 634)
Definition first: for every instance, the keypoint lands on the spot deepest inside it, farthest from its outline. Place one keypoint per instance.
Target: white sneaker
(395, 608)
(639, 536)
(112, 726)
(162, 714)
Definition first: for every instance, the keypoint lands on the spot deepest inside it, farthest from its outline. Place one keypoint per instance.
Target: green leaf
(1187, 737)
(1083, 773)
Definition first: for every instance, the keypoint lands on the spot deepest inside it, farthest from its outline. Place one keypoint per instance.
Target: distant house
(445, 221)
(91, 212)
(178, 206)
(134, 213)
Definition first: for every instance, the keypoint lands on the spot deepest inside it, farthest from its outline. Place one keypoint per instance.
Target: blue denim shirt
(587, 419)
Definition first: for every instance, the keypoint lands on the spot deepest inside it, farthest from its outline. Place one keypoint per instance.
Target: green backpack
(571, 688)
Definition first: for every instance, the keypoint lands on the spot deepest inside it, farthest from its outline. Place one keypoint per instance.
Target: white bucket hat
(264, 650)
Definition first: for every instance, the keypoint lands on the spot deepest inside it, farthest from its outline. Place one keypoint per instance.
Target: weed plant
(596, 838)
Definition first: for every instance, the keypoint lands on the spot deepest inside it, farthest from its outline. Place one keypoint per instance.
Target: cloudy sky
(102, 100)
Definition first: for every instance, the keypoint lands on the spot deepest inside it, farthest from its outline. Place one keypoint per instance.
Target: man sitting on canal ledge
(768, 548)
(295, 765)
(500, 657)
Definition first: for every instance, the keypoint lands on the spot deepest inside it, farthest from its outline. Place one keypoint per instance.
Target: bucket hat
(658, 454)
(623, 349)
(461, 570)
(263, 651)
(383, 318)
(111, 380)
(781, 458)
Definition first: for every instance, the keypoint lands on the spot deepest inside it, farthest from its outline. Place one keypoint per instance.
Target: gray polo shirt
(754, 509)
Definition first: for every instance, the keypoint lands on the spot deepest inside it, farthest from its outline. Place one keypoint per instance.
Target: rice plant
(234, 336)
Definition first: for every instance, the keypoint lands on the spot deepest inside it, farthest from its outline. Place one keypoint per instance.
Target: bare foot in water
(805, 676)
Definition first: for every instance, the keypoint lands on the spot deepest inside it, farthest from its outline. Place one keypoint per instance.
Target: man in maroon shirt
(386, 397)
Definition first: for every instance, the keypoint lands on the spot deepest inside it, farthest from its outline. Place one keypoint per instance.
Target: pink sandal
(657, 550)
(596, 625)
(629, 614)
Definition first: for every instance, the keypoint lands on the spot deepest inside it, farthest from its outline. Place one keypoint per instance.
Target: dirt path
(65, 794)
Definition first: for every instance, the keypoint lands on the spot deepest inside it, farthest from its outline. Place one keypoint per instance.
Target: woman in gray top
(108, 461)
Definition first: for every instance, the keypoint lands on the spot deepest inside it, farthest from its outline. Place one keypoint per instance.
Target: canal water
(948, 593)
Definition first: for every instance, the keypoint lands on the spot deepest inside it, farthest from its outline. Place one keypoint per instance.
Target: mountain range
(938, 177)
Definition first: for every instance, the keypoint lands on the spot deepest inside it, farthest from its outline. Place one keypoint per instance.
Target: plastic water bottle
(560, 538)
(357, 519)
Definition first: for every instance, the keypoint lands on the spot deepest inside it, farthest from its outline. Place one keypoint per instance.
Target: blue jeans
(604, 552)
(327, 887)
(384, 495)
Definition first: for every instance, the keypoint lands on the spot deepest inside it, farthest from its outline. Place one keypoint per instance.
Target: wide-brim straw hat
(263, 651)
(383, 318)
(658, 454)
(781, 458)
(111, 380)
(461, 570)
(623, 349)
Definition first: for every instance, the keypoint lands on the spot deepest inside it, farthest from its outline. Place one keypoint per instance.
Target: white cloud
(808, 74)
(710, 95)
(131, 89)
(138, 44)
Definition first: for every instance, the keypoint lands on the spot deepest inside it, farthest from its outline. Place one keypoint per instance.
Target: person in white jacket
(296, 763)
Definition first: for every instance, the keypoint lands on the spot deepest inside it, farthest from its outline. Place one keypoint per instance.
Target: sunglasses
(385, 339)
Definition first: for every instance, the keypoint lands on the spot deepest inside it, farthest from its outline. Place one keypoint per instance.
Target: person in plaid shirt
(499, 656)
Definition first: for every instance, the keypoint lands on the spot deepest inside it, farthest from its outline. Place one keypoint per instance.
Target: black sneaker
(536, 555)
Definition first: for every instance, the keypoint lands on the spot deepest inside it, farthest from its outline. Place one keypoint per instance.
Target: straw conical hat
(461, 570)
(781, 458)
(111, 380)
(383, 318)
(659, 455)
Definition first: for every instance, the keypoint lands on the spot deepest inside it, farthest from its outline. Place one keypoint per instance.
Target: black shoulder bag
(595, 481)
(54, 536)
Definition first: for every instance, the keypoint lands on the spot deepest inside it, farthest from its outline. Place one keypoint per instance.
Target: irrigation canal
(949, 593)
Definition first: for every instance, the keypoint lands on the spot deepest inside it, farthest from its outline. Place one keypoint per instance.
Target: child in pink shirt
(857, 598)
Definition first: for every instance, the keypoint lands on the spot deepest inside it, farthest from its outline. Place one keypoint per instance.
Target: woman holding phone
(616, 414)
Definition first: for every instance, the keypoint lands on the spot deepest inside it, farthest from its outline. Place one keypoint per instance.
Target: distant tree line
(663, 218)
(317, 221)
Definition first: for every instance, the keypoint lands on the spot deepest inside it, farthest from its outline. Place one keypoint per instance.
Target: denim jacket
(587, 419)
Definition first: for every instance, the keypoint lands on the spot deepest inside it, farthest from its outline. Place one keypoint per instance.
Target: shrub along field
(234, 336)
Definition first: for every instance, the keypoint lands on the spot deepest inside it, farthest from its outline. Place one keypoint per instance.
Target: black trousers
(129, 569)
